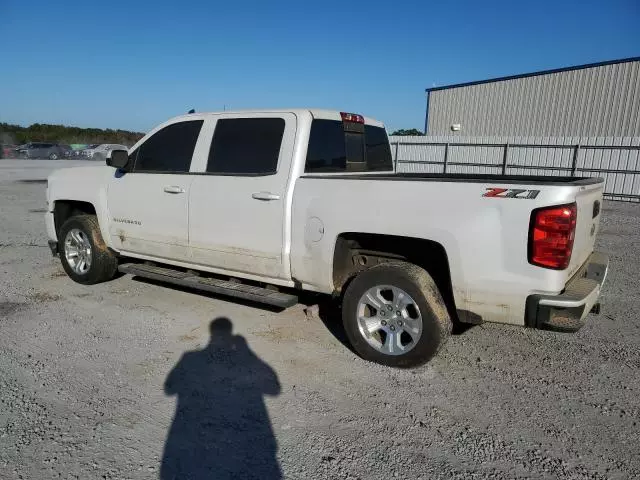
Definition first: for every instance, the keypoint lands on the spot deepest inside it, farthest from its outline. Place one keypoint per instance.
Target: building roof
(534, 74)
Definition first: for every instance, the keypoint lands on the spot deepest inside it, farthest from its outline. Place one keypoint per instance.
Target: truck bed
(486, 239)
(467, 178)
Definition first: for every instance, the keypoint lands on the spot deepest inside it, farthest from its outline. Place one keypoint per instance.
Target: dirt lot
(90, 377)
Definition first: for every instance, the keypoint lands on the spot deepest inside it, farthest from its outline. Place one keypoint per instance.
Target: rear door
(47, 150)
(41, 150)
(149, 206)
(237, 206)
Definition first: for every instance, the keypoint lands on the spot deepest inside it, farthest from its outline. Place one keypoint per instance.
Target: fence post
(504, 158)
(396, 159)
(446, 157)
(574, 163)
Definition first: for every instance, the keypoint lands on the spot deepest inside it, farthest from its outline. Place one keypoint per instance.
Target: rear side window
(169, 149)
(377, 148)
(246, 146)
(326, 151)
(336, 147)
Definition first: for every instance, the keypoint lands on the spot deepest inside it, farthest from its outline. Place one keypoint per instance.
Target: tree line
(42, 132)
(410, 132)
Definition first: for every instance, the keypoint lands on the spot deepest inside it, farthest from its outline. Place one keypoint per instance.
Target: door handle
(173, 189)
(265, 196)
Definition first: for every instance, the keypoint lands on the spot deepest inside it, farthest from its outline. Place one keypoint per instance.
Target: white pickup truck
(263, 204)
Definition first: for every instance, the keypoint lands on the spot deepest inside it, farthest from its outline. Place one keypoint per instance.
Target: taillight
(551, 236)
(351, 117)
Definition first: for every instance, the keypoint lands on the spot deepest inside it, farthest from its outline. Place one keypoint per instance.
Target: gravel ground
(90, 379)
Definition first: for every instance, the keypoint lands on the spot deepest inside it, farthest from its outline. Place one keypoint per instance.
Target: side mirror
(118, 159)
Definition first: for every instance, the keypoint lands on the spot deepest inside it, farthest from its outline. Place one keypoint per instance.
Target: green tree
(407, 133)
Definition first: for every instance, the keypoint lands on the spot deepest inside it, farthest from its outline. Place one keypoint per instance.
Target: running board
(213, 285)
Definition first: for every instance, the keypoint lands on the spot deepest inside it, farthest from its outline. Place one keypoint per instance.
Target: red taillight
(351, 117)
(551, 236)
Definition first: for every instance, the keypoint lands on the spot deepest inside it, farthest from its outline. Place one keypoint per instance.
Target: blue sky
(134, 64)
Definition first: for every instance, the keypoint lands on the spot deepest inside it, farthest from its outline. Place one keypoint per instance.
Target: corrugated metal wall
(615, 159)
(596, 101)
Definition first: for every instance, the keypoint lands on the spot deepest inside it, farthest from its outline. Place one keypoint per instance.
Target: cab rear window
(334, 147)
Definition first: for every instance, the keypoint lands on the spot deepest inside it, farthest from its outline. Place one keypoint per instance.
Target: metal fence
(617, 160)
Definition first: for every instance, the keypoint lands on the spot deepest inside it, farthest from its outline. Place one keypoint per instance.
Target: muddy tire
(83, 253)
(394, 314)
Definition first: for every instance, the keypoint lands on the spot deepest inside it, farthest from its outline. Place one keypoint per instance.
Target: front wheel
(53, 156)
(83, 253)
(394, 314)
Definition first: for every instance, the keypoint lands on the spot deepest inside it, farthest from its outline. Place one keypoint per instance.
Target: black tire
(415, 281)
(53, 156)
(104, 264)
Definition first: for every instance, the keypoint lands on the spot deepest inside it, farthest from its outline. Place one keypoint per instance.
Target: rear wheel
(83, 253)
(53, 156)
(394, 314)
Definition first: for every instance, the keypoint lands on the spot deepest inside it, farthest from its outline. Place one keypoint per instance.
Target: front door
(237, 205)
(149, 205)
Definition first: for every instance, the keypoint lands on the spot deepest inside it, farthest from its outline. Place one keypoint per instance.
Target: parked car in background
(7, 151)
(77, 149)
(67, 151)
(52, 151)
(88, 151)
(100, 152)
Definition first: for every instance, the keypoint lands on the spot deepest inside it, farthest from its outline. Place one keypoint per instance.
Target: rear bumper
(566, 311)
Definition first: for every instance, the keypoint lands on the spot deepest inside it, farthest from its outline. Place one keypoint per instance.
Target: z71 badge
(511, 193)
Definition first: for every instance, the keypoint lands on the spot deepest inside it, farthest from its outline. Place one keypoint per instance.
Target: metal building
(597, 100)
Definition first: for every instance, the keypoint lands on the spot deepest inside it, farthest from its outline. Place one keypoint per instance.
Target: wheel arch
(356, 251)
(65, 209)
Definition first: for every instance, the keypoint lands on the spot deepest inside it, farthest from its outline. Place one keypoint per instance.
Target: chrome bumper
(566, 312)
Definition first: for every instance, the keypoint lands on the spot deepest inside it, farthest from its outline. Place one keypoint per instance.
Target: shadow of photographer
(221, 428)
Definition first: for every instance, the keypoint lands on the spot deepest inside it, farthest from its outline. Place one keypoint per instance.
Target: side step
(214, 285)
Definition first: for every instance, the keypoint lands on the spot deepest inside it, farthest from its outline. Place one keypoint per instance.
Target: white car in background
(99, 152)
(88, 151)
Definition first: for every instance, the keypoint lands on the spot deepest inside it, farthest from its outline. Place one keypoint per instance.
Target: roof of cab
(318, 113)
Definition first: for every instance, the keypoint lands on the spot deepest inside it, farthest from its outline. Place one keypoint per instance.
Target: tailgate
(589, 202)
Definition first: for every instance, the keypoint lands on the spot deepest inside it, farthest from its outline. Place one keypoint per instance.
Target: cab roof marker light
(351, 117)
